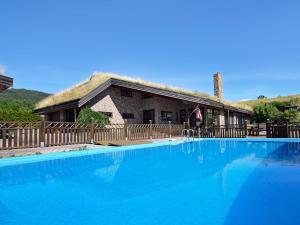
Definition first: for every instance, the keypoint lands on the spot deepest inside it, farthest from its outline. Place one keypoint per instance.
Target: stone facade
(111, 101)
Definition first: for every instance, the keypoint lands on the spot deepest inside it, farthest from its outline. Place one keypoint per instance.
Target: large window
(166, 116)
(213, 117)
(126, 92)
(217, 117)
(240, 119)
(128, 115)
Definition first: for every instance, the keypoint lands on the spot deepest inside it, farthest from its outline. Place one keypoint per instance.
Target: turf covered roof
(84, 88)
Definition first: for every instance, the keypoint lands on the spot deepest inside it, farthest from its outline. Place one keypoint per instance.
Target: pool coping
(93, 151)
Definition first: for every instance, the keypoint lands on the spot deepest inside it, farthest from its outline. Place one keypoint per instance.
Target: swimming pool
(202, 182)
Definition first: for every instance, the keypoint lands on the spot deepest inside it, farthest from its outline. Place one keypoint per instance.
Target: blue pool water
(209, 182)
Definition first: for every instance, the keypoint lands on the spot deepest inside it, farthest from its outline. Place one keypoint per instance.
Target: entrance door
(148, 115)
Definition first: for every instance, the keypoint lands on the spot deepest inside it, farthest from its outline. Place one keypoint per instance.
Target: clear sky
(255, 44)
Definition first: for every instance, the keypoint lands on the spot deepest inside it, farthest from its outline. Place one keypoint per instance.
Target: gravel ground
(45, 150)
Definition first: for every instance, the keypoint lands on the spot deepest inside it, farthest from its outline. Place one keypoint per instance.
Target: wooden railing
(28, 135)
(283, 130)
(229, 131)
(19, 135)
(63, 133)
(39, 134)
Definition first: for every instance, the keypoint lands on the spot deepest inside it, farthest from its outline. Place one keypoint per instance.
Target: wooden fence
(283, 130)
(15, 135)
(19, 135)
(223, 132)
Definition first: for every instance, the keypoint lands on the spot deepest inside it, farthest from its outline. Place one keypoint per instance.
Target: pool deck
(45, 150)
(66, 148)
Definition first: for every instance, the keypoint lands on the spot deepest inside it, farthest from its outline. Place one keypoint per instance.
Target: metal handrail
(186, 133)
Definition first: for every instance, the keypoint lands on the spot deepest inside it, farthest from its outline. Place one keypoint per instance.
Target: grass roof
(80, 90)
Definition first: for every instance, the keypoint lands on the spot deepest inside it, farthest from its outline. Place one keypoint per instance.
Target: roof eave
(57, 107)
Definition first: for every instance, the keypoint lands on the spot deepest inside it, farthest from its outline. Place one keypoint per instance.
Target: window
(166, 116)
(128, 115)
(216, 114)
(144, 96)
(109, 114)
(239, 118)
(126, 92)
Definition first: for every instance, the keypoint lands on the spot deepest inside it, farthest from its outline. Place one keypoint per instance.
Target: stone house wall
(111, 101)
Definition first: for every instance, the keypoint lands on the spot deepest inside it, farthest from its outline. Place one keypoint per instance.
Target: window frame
(125, 92)
(164, 116)
(128, 116)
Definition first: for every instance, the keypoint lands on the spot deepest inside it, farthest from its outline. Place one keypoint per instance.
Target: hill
(23, 95)
(290, 99)
(27, 98)
(18, 104)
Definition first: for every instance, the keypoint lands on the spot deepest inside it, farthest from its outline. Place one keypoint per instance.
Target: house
(139, 102)
(5, 82)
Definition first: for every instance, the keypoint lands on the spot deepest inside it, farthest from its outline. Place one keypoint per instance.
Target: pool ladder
(188, 134)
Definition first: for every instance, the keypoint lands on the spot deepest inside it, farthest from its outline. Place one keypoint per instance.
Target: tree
(261, 97)
(265, 112)
(17, 110)
(290, 115)
(275, 112)
(87, 116)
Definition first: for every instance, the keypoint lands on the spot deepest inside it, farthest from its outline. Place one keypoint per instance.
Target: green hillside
(279, 109)
(23, 95)
(289, 99)
(18, 104)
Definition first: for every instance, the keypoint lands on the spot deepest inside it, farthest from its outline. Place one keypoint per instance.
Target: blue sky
(50, 45)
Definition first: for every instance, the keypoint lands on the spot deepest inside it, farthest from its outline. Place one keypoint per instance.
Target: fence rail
(15, 135)
(283, 130)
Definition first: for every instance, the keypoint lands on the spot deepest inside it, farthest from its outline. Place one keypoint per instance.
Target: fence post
(170, 129)
(150, 129)
(246, 128)
(126, 129)
(287, 130)
(92, 133)
(42, 133)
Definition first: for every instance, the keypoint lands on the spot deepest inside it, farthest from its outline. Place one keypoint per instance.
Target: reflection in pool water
(203, 182)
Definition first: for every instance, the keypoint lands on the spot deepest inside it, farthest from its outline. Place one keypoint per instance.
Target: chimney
(218, 86)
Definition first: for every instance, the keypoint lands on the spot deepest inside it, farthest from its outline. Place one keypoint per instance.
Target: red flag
(198, 113)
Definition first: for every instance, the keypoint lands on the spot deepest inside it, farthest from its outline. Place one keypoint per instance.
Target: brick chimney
(218, 86)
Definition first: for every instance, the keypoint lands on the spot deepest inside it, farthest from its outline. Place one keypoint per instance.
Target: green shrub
(265, 112)
(275, 111)
(290, 115)
(87, 116)
(17, 110)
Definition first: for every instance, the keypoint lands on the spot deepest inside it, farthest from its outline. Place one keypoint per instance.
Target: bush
(290, 115)
(87, 116)
(275, 112)
(15, 110)
(265, 112)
